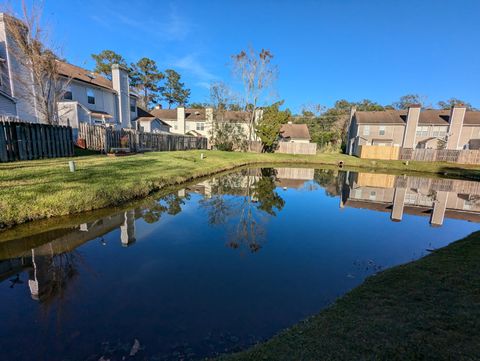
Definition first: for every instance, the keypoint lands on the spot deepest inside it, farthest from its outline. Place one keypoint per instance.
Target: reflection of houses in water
(240, 183)
(433, 197)
(49, 256)
(127, 229)
(294, 177)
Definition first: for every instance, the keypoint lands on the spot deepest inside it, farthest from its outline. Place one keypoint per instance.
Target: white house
(94, 99)
(147, 122)
(89, 97)
(199, 122)
(14, 77)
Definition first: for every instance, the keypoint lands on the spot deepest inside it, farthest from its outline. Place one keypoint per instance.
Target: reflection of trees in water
(329, 179)
(246, 213)
(170, 204)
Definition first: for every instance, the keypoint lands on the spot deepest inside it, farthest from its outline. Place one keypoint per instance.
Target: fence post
(3, 144)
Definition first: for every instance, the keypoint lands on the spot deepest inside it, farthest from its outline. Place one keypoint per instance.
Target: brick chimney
(413, 116)
(457, 114)
(181, 120)
(121, 84)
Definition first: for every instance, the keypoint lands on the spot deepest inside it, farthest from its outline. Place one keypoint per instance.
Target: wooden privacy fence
(103, 139)
(297, 148)
(27, 141)
(378, 152)
(441, 155)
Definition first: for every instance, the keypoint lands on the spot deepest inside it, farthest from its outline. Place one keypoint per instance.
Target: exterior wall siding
(392, 132)
(468, 133)
(19, 78)
(7, 106)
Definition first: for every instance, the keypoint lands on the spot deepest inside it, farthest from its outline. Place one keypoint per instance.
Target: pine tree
(174, 91)
(146, 77)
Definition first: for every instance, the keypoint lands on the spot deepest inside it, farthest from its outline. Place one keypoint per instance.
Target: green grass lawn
(39, 189)
(425, 310)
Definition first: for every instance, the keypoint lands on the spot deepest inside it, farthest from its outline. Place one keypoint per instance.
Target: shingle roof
(193, 114)
(472, 118)
(381, 117)
(100, 113)
(171, 114)
(78, 73)
(295, 131)
(144, 116)
(434, 117)
(427, 117)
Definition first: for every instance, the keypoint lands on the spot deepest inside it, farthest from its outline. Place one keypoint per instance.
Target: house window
(90, 96)
(422, 131)
(366, 130)
(200, 126)
(68, 95)
(439, 131)
(381, 130)
(133, 106)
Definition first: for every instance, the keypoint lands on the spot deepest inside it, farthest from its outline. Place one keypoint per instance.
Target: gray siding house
(14, 77)
(199, 122)
(88, 97)
(94, 99)
(415, 128)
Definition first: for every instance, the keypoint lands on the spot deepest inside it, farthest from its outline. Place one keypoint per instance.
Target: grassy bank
(425, 310)
(40, 189)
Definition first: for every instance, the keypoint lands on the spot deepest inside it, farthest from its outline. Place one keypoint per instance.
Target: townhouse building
(414, 128)
(200, 122)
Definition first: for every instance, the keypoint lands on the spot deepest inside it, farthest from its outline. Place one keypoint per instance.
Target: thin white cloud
(190, 64)
(164, 26)
(203, 84)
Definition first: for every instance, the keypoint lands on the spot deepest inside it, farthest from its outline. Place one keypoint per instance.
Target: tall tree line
(153, 85)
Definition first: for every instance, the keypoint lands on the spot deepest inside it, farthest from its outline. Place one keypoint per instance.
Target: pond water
(217, 266)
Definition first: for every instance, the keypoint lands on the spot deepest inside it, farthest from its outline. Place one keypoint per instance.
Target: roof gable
(295, 131)
(145, 116)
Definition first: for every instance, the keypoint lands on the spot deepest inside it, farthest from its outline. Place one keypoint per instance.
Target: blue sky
(325, 50)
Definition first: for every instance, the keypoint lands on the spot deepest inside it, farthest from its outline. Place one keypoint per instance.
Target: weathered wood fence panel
(297, 148)
(441, 155)
(378, 152)
(28, 141)
(103, 139)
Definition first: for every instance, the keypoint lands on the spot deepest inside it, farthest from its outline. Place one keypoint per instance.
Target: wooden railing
(28, 141)
(103, 139)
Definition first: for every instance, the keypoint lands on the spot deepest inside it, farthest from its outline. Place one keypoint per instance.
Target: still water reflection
(217, 266)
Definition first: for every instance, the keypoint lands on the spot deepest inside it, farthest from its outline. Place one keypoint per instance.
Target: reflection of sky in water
(183, 291)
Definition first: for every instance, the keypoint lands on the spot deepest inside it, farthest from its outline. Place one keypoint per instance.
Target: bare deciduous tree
(258, 75)
(37, 66)
(225, 135)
